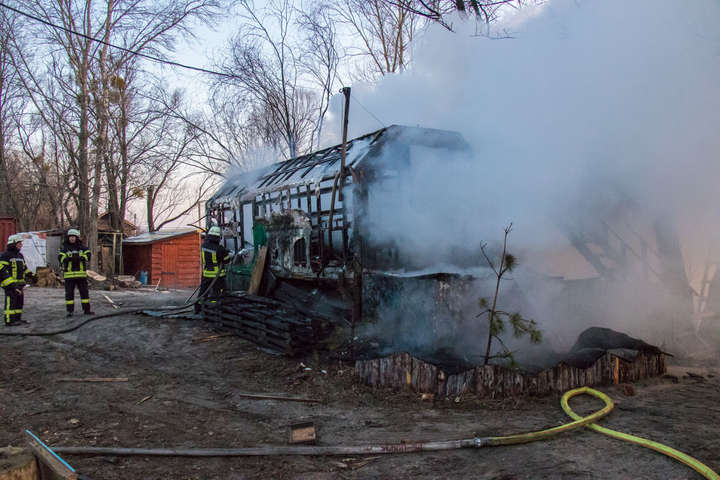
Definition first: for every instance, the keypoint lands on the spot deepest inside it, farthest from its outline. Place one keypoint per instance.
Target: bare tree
(80, 94)
(138, 27)
(12, 105)
(63, 96)
(321, 59)
(222, 133)
(486, 11)
(41, 177)
(175, 200)
(170, 192)
(383, 30)
(263, 67)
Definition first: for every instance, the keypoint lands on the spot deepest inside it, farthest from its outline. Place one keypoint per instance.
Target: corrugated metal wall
(8, 226)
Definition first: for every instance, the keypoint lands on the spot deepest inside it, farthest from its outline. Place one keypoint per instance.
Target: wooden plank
(50, 463)
(93, 379)
(255, 396)
(258, 270)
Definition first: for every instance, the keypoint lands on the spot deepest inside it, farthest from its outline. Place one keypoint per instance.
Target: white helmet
(215, 231)
(73, 232)
(15, 238)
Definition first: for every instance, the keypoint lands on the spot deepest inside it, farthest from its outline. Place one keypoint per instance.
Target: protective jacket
(74, 259)
(214, 257)
(12, 268)
(12, 279)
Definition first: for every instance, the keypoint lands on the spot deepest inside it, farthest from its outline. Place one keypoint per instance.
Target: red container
(8, 226)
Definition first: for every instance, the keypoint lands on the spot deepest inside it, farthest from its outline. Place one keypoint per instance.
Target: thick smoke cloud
(588, 107)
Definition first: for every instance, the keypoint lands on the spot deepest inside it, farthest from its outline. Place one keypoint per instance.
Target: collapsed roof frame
(331, 207)
(302, 183)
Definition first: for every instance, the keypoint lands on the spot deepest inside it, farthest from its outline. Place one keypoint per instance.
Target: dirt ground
(182, 392)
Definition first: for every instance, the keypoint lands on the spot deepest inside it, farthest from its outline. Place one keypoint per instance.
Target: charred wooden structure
(310, 212)
(402, 371)
(325, 254)
(270, 323)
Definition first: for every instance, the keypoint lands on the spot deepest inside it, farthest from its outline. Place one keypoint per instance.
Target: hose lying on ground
(691, 462)
(476, 442)
(116, 313)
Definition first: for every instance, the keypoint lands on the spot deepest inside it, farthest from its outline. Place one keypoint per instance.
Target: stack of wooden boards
(267, 322)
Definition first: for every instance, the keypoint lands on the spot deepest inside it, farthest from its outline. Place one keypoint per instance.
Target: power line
(368, 111)
(126, 50)
(149, 57)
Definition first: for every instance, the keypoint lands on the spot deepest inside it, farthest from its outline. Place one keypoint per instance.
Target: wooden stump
(17, 464)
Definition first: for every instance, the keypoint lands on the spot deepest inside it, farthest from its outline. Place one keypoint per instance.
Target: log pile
(269, 323)
(46, 277)
(401, 370)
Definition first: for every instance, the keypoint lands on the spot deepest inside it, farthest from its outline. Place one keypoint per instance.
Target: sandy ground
(183, 393)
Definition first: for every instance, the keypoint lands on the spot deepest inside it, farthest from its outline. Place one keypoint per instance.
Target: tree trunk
(102, 155)
(150, 205)
(17, 464)
(124, 160)
(83, 202)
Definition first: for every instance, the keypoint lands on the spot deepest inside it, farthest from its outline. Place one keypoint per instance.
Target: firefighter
(213, 257)
(74, 258)
(12, 279)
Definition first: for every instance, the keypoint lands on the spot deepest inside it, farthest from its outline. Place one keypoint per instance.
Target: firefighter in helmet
(12, 279)
(74, 258)
(214, 257)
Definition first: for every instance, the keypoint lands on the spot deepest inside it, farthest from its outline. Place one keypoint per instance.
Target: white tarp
(34, 250)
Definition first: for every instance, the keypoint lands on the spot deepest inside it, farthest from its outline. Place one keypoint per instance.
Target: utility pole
(346, 115)
(340, 177)
(357, 272)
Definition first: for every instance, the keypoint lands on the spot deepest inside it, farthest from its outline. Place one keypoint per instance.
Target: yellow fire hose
(477, 442)
(691, 462)
(578, 420)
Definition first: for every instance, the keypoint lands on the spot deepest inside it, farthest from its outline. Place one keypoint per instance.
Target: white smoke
(588, 105)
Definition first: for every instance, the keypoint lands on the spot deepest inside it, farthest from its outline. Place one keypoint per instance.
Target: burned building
(312, 215)
(325, 255)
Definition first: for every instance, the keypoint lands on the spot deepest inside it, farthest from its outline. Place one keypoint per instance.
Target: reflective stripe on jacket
(74, 259)
(12, 268)
(213, 257)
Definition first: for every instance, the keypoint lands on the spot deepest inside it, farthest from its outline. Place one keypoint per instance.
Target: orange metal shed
(170, 257)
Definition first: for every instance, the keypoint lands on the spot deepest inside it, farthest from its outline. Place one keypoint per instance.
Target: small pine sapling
(496, 317)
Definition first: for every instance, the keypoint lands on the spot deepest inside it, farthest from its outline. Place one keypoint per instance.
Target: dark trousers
(82, 286)
(14, 299)
(209, 294)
